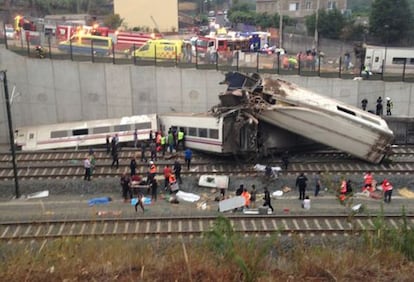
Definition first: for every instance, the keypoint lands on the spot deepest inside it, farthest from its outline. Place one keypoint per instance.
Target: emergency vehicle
(164, 49)
(208, 48)
(83, 44)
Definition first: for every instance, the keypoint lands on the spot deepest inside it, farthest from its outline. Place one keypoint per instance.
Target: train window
(213, 133)
(192, 131)
(143, 125)
(202, 132)
(31, 135)
(399, 61)
(102, 129)
(412, 61)
(82, 131)
(58, 134)
(345, 110)
(122, 127)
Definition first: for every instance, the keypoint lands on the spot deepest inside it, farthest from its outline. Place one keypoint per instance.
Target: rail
(190, 226)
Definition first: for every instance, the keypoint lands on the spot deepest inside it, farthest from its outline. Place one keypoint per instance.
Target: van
(164, 49)
(83, 44)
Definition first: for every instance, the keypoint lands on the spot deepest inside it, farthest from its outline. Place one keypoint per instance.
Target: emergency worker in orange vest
(368, 181)
(246, 195)
(387, 189)
(167, 173)
(152, 172)
(173, 184)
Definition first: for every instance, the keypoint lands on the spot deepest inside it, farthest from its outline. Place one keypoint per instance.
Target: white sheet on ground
(188, 197)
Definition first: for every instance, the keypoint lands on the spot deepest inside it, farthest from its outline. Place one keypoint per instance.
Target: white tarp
(214, 181)
(188, 197)
(41, 194)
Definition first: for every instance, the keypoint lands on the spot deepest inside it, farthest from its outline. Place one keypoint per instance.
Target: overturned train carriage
(313, 116)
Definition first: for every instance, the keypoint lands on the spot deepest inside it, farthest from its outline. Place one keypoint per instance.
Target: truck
(394, 59)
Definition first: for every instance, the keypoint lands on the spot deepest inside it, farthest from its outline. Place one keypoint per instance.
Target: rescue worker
(389, 106)
(188, 154)
(87, 166)
(152, 172)
(267, 199)
(163, 144)
(177, 171)
(143, 147)
(301, 184)
(368, 178)
(173, 184)
(387, 189)
(126, 187)
(252, 196)
(153, 150)
(167, 172)
(171, 143)
(133, 166)
(317, 183)
(379, 111)
(180, 139)
(246, 195)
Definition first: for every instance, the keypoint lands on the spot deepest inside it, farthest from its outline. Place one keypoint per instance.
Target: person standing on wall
(389, 106)
(301, 184)
(364, 104)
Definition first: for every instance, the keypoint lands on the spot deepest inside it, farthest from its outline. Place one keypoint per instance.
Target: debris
(37, 195)
(287, 189)
(99, 201)
(275, 169)
(113, 213)
(145, 201)
(231, 204)
(406, 193)
(214, 181)
(277, 194)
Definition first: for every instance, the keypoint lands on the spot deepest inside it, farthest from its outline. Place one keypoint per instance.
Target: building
(155, 14)
(298, 8)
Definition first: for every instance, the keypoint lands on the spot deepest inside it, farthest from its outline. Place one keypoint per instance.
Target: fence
(303, 64)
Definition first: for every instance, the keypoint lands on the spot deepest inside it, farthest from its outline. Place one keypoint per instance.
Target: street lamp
(3, 77)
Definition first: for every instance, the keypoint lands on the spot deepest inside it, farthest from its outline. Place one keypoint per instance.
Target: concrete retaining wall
(54, 91)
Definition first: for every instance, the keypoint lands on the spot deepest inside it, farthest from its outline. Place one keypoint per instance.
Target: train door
(31, 140)
(377, 60)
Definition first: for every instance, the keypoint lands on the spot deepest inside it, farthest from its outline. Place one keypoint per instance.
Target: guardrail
(273, 63)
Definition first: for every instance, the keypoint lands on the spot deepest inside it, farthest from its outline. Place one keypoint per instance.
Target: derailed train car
(316, 117)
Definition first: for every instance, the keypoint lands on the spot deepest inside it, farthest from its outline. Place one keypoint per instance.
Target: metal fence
(261, 62)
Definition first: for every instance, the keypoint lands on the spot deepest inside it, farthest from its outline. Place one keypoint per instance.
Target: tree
(330, 24)
(390, 20)
(113, 21)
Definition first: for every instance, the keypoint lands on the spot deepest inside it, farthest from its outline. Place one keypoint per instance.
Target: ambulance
(160, 49)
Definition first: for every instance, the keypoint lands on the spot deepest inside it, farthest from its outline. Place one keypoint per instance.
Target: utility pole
(280, 25)
(316, 39)
(3, 77)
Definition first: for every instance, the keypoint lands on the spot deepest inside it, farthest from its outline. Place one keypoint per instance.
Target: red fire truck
(208, 48)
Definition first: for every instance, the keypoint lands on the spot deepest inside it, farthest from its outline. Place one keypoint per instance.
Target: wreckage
(265, 110)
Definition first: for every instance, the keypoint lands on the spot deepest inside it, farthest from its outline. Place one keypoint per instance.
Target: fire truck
(211, 48)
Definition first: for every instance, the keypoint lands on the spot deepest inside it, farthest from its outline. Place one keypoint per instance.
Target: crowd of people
(379, 108)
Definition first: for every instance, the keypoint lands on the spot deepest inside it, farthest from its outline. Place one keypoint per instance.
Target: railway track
(151, 228)
(68, 164)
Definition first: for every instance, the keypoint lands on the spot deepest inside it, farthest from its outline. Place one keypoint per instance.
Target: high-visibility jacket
(163, 139)
(180, 135)
(368, 178)
(386, 185)
(153, 168)
(343, 187)
(172, 179)
(246, 195)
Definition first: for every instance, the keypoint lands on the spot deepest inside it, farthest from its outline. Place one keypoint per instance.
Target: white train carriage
(205, 132)
(327, 121)
(84, 133)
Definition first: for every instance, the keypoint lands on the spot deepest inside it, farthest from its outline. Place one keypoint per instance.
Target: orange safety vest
(153, 168)
(368, 178)
(386, 186)
(246, 195)
(172, 178)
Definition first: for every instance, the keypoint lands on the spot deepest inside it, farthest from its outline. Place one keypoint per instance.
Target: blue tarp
(99, 201)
